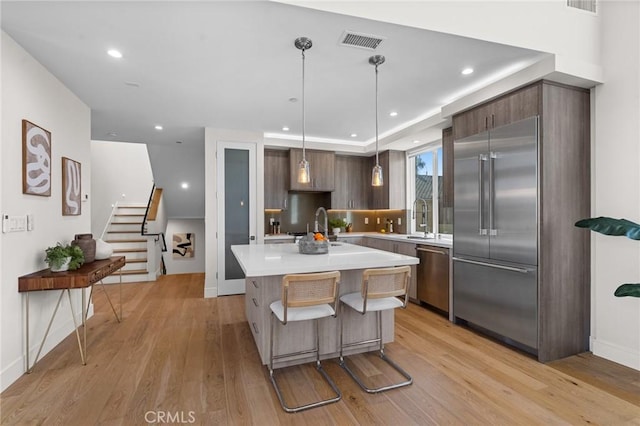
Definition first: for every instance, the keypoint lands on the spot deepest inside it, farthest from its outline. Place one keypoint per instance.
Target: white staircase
(123, 233)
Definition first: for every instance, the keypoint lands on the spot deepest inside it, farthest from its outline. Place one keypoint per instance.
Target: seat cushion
(356, 301)
(302, 314)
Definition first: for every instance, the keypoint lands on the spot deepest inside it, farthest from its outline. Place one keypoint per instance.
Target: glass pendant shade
(377, 179)
(303, 171)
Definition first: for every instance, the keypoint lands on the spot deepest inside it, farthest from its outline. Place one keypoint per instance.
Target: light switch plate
(366, 220)
(14, 223)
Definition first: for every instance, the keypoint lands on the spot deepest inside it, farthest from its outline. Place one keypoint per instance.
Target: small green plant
(337, 223)
(617, 227)
(57, 255)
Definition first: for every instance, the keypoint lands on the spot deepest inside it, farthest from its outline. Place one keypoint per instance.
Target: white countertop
(439, 242)
(259, 260)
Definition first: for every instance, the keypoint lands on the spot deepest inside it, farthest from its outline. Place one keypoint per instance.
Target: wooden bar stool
(381, 289)
(305, 297)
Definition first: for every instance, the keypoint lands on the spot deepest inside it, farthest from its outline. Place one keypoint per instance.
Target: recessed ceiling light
(178, 141)
(416, 141)
(354, 135)
(158, 127)
(393, 114)
(285, 129)
(293, 99)
(184, 185)
(132, 83)
(114, 53)
(467, 71)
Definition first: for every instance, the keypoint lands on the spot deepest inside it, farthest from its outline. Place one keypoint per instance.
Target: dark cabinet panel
(276, 179)
(322, 169)
(352, 186)
(392, 195)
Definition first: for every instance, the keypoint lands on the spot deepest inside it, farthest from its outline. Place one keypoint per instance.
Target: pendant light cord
(377, 163)
(303, 115)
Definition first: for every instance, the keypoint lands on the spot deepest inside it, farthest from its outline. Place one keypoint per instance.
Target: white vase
(103, 250)
(336, 231)
(63, 267)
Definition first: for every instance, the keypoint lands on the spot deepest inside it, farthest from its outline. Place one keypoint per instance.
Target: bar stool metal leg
(378, 339)
(319, 368)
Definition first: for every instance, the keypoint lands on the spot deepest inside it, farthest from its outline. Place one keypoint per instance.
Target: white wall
(547, 26)
(121, 173)
(615, 321)
(30, 92)
(211, 138)
(186, 265)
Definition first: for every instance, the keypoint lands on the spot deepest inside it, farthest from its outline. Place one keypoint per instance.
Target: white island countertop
(259, 260)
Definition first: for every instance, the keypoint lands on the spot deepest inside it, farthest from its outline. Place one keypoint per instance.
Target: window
(426, 176)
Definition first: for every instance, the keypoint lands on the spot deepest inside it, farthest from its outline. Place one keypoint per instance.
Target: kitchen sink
(417, 237)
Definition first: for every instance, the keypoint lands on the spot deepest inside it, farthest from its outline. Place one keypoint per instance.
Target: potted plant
(63, 257)
(336, 225)
(617, 227)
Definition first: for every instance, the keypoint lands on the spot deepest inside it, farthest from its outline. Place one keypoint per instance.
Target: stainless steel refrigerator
(495, 231)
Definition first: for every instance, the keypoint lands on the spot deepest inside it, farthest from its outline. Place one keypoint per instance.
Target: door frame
(237, 286)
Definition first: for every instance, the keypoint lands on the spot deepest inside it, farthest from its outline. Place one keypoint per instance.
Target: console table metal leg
(27, 334)
(46, 333)
(84, 321)
(109, 300)
(75, 324)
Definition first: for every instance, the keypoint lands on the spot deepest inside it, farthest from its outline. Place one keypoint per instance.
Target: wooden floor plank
(178, 354)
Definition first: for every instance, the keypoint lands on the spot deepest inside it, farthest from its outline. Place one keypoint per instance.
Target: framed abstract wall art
(71, 198)
(184, 245)
(36, 160)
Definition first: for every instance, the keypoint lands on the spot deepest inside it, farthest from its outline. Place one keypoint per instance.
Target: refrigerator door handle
(492, 265)
(492, 184)
(481, 229)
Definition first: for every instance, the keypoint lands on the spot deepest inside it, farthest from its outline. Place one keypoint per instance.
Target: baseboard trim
(616, 353)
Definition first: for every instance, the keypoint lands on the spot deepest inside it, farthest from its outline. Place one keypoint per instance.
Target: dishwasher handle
(432, 251)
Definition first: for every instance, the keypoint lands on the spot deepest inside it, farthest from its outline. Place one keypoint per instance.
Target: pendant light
(377, 178)
(303, 43)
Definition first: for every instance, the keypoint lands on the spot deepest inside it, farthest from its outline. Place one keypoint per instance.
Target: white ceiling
(233, 65)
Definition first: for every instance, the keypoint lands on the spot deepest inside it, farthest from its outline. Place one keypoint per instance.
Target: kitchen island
(264, 266)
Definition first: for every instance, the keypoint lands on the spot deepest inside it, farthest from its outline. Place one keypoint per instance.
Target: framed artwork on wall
(36, 160)
(71, 195)
(184, 245)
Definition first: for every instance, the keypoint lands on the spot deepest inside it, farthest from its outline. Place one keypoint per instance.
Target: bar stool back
(305, 297)
(381, 290)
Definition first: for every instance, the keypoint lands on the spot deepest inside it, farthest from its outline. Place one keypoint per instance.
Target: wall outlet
(366, 220)
(399, 221)
(377, 221)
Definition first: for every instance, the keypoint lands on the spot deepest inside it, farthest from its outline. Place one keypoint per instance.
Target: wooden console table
(85, 276)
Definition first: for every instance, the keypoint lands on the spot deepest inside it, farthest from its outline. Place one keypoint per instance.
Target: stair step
(131, 272)
(130, 250)
(126, 223)
(126, 241)
(124, 232)
(129, 214)
(131, 207)
(136, 260)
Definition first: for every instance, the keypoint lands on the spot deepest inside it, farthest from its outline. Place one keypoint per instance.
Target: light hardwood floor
(178, 357)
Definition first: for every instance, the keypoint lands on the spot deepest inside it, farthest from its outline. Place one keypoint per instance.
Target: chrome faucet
(326, 225)
(424, 212)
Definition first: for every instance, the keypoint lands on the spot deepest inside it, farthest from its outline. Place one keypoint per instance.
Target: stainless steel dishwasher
(433, 276)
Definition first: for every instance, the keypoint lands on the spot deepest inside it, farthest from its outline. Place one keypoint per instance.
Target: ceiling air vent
(588, 5)
(363, 41)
